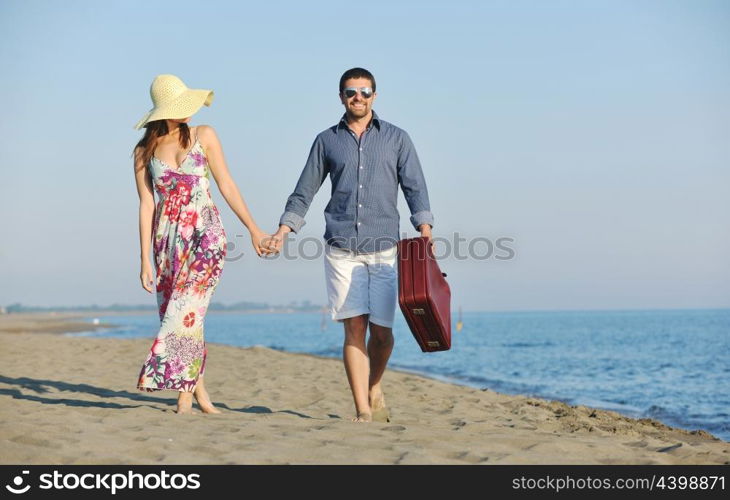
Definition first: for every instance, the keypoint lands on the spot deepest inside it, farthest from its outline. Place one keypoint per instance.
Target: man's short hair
(356, 73)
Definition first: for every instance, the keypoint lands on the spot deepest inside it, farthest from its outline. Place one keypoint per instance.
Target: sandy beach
(72, 400)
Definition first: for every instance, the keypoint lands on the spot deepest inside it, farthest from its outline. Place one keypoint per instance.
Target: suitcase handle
(430, 252)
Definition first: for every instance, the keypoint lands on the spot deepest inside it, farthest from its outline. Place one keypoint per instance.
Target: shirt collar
(374, 121)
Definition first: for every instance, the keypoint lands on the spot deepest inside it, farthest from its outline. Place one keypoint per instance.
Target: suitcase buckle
(419, 312)
(433, 343)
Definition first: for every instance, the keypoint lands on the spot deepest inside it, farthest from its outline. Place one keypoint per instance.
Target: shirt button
(359, 205)
(358, 223)
(360, 167)
(360, 186)
(360, 149)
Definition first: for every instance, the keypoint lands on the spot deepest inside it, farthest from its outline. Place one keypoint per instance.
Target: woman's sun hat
(172, 99)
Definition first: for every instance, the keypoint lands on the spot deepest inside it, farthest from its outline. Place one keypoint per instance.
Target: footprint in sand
(669, 448)
(30, 440)
(457, 423)
(394, 428)
(468, 457)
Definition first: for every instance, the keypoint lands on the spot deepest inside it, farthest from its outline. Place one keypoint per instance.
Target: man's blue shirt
(362, 214)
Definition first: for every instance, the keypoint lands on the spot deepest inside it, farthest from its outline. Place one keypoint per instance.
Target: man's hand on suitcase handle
(426, 231)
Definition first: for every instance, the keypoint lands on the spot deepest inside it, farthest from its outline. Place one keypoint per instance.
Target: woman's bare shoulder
(206, 133)
(137, 154)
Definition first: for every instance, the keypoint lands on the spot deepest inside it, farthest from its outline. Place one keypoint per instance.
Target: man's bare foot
(184, 403)
(363, 416)
(201, 396)
(377, 404)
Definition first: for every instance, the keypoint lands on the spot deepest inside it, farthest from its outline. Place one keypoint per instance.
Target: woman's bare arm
(146, 215)
(227, 186)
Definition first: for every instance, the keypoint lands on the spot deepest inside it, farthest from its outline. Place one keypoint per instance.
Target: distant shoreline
(318, 309)
(73, 320)
(76, 321)
(139, 312)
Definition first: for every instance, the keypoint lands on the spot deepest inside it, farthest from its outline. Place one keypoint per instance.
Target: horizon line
(453, 308)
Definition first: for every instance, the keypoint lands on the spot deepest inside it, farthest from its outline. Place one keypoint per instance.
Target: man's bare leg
(357, 366)
(380, 346)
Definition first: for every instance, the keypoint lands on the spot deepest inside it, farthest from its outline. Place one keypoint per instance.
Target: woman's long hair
(153, 132)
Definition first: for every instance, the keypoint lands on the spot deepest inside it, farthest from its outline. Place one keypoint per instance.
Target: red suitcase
(424, 295)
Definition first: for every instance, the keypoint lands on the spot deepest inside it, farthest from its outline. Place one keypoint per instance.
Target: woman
(185, 228)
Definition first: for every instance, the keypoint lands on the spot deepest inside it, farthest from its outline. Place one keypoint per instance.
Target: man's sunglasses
(365, 92)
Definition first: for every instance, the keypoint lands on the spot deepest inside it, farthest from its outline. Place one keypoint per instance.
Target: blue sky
(595, 134)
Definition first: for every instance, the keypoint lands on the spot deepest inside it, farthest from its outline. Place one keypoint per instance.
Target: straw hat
(173, 99)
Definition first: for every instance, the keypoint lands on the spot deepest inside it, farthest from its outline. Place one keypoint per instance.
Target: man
(366, 159)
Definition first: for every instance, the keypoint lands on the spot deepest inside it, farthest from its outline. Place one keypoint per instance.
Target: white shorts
(362, 284)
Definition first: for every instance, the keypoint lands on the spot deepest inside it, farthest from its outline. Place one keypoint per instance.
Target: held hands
(275, 242)
(260, 241)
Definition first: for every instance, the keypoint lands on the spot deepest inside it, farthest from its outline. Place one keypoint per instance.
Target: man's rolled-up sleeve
(413, 183)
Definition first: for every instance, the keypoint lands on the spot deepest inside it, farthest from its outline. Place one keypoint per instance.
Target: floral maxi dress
(189, 249)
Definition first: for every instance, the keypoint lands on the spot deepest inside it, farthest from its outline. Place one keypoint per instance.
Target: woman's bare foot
(363, 416)
(203, 399)
(184, 403)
